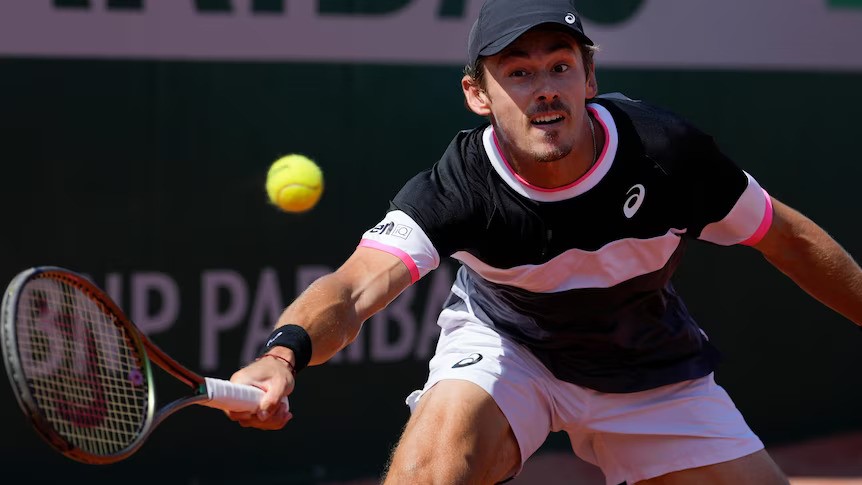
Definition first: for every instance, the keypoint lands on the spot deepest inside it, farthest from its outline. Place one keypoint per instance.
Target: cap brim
(503, 42)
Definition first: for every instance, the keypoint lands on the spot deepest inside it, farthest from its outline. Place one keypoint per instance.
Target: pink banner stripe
(404, 257)
(764, 224)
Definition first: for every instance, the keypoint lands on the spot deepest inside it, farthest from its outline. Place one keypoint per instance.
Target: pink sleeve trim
(404, 257)
(764, 224)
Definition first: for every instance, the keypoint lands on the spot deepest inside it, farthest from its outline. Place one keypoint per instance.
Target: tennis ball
(294, 183)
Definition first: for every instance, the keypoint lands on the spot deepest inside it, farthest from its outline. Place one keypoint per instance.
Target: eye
(561, 68)
(518, 73)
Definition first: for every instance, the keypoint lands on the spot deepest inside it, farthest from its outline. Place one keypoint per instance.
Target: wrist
(290, 366)
(282, 353)
(292, 343)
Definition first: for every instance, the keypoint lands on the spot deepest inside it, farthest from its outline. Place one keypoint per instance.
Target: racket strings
(83, 369)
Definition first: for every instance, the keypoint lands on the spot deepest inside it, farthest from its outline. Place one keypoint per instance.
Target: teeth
(547, 119)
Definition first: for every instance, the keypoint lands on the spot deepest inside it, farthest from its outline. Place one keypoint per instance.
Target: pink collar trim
(583, 177)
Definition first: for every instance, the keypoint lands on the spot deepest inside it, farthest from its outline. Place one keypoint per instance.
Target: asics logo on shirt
(633, 203)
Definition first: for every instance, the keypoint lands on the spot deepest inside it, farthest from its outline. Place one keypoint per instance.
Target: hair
(476, 70)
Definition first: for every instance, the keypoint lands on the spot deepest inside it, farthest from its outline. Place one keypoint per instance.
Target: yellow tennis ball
(294, 183)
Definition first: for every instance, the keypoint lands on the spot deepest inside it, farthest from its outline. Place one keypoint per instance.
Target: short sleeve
(725, 204)
(398, 234)
(434, 214)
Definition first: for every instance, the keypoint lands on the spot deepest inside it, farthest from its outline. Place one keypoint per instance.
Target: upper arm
(786, 223)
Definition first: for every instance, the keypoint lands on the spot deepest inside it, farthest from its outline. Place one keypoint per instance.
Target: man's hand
(272, 373)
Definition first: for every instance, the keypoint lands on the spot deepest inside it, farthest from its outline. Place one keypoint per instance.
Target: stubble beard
(550, 148)
(551, 151)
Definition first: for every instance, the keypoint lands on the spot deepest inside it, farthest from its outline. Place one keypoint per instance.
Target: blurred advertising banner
(750, 34)
(137, 134)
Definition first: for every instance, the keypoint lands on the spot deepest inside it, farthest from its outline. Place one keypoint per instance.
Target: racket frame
(146, 349)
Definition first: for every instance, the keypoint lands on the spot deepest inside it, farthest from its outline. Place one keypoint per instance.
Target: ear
(475, 97)
(592, 85)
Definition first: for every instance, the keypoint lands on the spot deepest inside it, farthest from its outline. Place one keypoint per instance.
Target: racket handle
(228, 396)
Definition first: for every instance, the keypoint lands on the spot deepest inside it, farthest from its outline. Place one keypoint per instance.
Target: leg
(755, 469)
(670, 432)
(457, 434)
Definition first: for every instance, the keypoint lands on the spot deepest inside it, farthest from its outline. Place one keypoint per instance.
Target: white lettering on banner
(114, 287)
(397, 333)
(765, 34)
(145, 285)
(265, 310)
(213, 321)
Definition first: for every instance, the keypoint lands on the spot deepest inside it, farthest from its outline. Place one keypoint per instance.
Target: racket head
(77, 365)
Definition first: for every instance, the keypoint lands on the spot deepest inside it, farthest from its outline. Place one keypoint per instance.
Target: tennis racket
(81, 370)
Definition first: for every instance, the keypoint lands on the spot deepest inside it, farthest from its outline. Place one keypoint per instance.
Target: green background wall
(121, 167)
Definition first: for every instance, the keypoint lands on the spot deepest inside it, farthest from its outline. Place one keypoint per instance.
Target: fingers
(277, 420)
(271, 402)
(276, 380)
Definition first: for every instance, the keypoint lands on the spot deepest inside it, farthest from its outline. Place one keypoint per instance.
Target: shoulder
(649, 120)
(447, 199)
(663, 135)
(456, 182)
(466, 150)
(461, 169)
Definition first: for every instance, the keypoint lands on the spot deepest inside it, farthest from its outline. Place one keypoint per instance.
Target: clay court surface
(835, 460)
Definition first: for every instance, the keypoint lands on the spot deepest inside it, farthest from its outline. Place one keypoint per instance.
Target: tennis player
(569, 212)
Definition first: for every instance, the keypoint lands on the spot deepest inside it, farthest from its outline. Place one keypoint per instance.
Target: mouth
(547, 119)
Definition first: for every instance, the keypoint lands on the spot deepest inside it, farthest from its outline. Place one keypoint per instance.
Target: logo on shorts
(469, 360)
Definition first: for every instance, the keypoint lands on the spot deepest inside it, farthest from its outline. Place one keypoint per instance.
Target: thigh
(508, 372)
(643, 435)
(754, 469)
(478, 376)
(456, 434)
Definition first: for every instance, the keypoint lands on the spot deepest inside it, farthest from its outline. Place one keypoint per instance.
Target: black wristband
(293, 337)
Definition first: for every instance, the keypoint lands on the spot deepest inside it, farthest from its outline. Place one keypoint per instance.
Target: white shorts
(631, 437)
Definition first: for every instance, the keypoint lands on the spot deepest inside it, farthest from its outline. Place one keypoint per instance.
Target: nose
(546, 89)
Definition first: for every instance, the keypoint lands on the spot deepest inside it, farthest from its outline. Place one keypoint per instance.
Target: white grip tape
(227, 396)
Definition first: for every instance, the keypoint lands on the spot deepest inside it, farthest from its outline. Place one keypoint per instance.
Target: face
(535, 91)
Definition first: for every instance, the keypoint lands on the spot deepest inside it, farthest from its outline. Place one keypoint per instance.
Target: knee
(421, 465)
(472, 443)
(430, 452)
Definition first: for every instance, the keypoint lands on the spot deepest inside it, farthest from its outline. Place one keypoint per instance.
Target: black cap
(502, 21)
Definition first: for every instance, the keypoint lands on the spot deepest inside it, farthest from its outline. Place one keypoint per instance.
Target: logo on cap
(570, 18)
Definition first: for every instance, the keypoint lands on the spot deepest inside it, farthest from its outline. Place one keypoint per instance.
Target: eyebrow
(522, 54)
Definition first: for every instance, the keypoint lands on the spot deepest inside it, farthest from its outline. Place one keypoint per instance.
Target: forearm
(333, 308)
(816, 263)
(327, 312)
